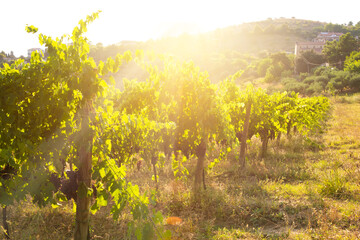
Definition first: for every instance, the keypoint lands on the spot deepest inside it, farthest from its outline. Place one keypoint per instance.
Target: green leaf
(103, 84)
(31, 29)
(101, 201)
(167, 234)
(112, 80)
(55, 205)
(94, 208)
(102, 172)
(108, 144)
(158, 217)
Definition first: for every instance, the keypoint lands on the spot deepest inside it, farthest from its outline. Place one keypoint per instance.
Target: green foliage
(272, 114)
(283, 60)
(352, 62)
(31, 29)
(307, 61)
(293, 85)
(262, 66)
(43, 118)
(331, 27)
(325, 80)
(180, 171)
(280, 63)
(55, 109)
(336, 52)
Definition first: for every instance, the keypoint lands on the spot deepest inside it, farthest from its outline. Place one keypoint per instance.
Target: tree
(273, 73)
(352, 62)
(336, 52)
(347, 44)
(330, 27)
(282, 59)
(280, 62)
(307, 61)
(262, 66)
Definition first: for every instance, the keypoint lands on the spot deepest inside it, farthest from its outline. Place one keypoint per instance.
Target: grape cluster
(7, 171)
(67, 185)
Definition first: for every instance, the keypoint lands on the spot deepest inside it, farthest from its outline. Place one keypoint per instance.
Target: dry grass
(303, 189)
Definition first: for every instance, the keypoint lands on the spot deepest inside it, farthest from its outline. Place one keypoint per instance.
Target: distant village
(8, 58)
(318, 43)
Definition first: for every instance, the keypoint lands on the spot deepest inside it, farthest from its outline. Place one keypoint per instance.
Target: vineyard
(171, 157)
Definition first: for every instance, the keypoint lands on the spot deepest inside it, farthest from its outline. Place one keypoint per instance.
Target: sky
(142, 20)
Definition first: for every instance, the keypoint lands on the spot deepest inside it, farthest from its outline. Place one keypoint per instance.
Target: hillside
(248, 38)
(225, 51)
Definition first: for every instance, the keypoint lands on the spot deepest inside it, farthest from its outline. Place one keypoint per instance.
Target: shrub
(354, 82)
(291, 84)
(315, 88)
(320, 70)
(303, 76)
(309, 80)
(262, 67)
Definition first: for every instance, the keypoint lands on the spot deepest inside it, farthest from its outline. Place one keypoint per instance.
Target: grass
(304, 189)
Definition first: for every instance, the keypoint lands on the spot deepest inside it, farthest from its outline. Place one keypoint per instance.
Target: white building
(31, 50)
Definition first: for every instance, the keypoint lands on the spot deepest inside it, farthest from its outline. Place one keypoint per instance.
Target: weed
(334, 185)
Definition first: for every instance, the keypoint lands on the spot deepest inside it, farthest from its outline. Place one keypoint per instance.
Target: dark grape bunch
(7, 171)
(68, 185)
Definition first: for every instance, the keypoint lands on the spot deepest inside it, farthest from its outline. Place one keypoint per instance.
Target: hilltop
(271, 35)
(224, 51)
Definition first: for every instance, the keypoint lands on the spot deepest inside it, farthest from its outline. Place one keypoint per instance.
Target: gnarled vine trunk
(278, 139)
(5, 224)
(288, 129)
(84, 178)
(153, 162)
(199, 171)
(264, 145)
(244, 135)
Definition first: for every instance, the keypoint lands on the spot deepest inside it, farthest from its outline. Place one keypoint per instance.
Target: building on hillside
(31, 50)
(301, 47)
(328, 36)
(318, 43)
(9, 58)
